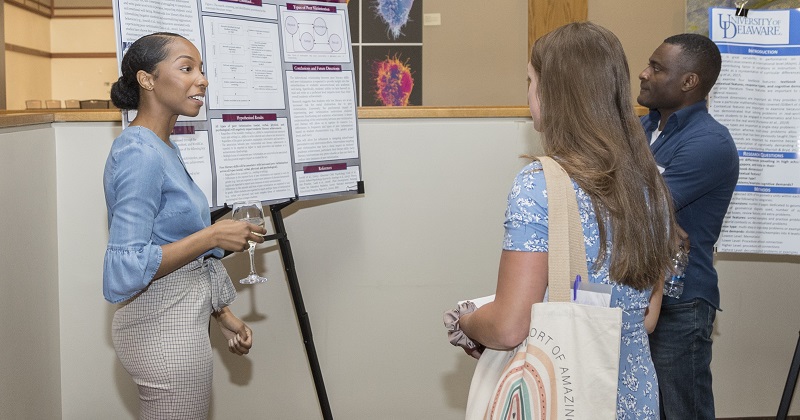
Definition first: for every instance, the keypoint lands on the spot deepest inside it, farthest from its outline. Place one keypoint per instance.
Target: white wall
(90, 371)
(756, 333)
(376, 273)
(29, 366)
(406, 249)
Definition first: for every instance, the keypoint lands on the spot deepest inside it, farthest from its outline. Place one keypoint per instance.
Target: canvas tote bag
(568, 366)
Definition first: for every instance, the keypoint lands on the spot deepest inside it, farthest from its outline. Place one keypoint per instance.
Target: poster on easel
(757, 96)
(279, 120)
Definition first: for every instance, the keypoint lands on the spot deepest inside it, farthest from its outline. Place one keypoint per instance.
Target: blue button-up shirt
(700, 166)
(151, 201)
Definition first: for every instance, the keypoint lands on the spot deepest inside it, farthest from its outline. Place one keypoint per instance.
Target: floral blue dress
(526, 230)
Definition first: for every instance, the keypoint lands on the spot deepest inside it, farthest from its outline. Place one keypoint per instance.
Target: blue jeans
(681, 349)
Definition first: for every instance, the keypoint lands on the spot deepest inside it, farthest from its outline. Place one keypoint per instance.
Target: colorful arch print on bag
(521, 394)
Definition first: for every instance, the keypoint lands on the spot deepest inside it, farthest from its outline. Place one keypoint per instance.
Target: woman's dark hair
(144, 54)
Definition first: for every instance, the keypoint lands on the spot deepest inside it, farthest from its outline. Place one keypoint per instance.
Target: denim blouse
(151, 201)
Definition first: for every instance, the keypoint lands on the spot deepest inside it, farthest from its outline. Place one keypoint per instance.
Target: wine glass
(250, 212)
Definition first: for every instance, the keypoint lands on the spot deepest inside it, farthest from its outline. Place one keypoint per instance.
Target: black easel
(299, 307)
(297, 298)
(791, 382)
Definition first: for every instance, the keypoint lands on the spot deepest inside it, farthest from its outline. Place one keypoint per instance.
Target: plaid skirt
(161, 339)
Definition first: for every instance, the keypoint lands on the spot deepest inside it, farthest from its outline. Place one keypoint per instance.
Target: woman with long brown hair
(580, 101)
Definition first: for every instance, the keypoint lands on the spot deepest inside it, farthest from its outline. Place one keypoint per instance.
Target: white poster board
(757, 96)
(279, 121)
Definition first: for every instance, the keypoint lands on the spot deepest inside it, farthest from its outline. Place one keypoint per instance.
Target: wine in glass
(250, 212)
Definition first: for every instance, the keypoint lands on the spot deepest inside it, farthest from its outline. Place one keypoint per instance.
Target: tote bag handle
(566, 249)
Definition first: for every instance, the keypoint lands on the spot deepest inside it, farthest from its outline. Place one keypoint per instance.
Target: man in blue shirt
(698, 159)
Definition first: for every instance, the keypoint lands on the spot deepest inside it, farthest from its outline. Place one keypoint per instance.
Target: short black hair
(699, 55)
(144, 54)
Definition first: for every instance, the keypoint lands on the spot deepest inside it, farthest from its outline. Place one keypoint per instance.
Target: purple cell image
(391, 76)
(393, 81)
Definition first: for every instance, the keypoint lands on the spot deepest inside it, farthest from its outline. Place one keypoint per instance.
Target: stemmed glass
(250, 212)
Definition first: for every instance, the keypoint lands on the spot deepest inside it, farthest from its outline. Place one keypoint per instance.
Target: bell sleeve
(131, 258)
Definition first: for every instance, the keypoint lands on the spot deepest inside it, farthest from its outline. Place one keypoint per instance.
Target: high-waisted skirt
(161, 339)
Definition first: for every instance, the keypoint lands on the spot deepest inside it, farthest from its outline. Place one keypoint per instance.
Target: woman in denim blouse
(162, 261)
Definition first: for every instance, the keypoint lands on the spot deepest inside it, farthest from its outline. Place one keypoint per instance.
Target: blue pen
(575, 288)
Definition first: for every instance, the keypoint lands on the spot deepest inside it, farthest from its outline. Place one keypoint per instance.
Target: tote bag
(568, 366)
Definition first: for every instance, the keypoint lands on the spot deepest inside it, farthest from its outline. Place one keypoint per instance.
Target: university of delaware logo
(759, 27)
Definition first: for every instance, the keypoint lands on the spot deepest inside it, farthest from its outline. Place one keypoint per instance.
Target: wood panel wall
(546, 15)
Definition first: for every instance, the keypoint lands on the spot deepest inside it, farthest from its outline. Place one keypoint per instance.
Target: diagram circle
(320, 26)
(335, 41)
(307, 41)
(291, 25)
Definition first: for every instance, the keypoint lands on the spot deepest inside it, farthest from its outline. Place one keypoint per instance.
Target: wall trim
(364, 113)
(27, 51)
(39, 53)
(48, 13)
(68, 16)
(84, 55)
(82, 12)
(76, 12)
(83, 8)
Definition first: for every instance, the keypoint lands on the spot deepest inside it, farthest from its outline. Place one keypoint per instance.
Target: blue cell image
(394, 13)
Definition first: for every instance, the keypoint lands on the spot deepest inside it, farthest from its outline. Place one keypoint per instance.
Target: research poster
(279, 119)
(757, 96)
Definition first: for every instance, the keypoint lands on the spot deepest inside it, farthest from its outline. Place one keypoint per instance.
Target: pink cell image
(393, 81)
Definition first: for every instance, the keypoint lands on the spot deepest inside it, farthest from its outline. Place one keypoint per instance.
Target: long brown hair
(589, 126)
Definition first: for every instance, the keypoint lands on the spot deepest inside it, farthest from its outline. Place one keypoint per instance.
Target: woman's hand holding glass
(251, 212)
